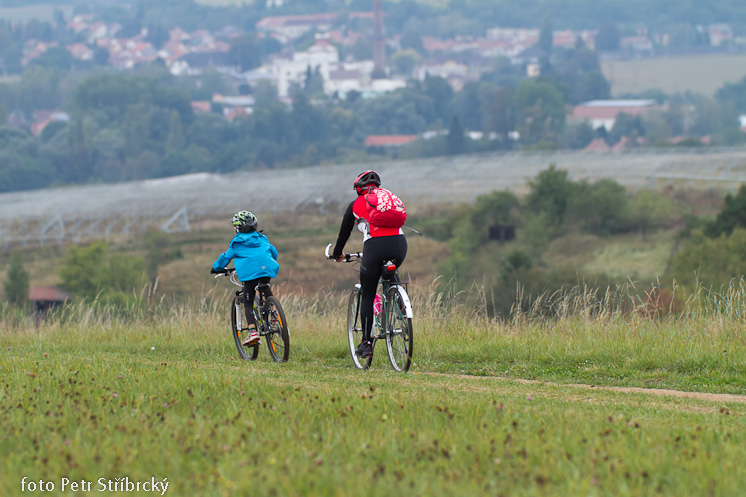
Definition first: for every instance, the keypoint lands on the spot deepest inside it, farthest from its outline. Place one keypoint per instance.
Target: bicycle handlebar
(347, 257)
(226, 272)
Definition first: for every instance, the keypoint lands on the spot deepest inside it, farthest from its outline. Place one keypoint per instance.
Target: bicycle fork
(239, 312)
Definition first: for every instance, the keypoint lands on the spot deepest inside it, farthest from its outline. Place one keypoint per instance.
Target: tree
(657, 128)
(309, 122)
(626, 125)
(686, 35)
(88, 272)
(314, 82)
(12, 59)
(710, 116)
(244, 52)
(157, 35)
(56, 57)
(550, 193)
(40, 88)
(16, 284)
(733, 94)
(441, 93)
(81, 151)
(403, 111)
(362, 49)
(710, 262)
(109, 151)
(540, 111)
(175, 140)
(546, 36)
(101, 56)
(52, 129)
(650, 210)
(601, 206)
(405, 61)
(593, 86)
(191, 160)
(211, 82)
(472, 227)
(480, 102)
(412, 39)
(456, 140)
(498, 114)
(84, 269)
(135, 128)
(578, 135)
(732, 215)
(608, 37)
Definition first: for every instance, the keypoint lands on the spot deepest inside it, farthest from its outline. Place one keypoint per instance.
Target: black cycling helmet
(365, 179)
(245, 222)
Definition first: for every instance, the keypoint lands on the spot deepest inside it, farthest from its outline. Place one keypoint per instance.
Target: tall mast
(379, 41)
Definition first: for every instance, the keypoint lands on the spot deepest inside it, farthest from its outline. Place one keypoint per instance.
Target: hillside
(76, 213)
(300, 211)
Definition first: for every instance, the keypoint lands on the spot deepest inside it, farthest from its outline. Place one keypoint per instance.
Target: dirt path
(660, 392)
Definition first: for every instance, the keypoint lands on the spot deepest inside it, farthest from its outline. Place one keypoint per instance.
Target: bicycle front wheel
(278, 338)
(399, 338)
(249, 352)
(355, 330)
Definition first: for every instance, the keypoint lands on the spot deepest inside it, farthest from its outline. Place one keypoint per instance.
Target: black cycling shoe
(365, 349)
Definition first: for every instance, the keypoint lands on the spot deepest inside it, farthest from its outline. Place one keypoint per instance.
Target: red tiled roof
(597, 145)
(201, 105)
(38, 127)
(387, 140)
(432, 44)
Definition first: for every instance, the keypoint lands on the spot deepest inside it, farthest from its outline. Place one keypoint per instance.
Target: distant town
(458, 60)
(143, 90)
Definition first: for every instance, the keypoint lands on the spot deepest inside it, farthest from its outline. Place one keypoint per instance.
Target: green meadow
(590, 398)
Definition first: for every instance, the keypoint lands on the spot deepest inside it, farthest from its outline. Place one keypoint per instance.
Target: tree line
(708, 254)
(140, 124)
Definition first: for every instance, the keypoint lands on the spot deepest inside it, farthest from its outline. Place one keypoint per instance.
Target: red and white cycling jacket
(355, 216)
(360, 211)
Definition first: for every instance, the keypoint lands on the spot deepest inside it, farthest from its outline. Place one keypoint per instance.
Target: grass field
(564, 405)
(703, 74)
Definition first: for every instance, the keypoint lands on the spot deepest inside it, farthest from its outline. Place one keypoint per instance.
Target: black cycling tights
(375, 252)
(249, 292)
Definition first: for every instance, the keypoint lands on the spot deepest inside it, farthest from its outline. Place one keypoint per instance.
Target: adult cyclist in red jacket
(379, 245)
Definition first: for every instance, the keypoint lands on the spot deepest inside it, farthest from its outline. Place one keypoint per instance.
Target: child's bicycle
(393, 323)
(270, 322)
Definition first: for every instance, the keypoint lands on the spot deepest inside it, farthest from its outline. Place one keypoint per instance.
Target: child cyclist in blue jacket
(255, 263)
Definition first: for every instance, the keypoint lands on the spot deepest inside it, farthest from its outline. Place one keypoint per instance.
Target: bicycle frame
(393, 323)
(269, 317)
(258, 306)
(386, 283)
(404, 296)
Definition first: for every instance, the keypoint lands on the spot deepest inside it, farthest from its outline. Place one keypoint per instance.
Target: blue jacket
(255, 257)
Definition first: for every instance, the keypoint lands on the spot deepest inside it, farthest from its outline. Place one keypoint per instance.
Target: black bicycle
(393, 323)
(270, 322)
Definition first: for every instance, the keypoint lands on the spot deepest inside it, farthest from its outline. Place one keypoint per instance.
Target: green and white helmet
(245, 222)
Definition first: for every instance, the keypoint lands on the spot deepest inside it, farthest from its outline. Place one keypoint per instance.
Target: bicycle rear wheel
(399, 338)
(355, 330)
(278, 338)
(250, 352)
